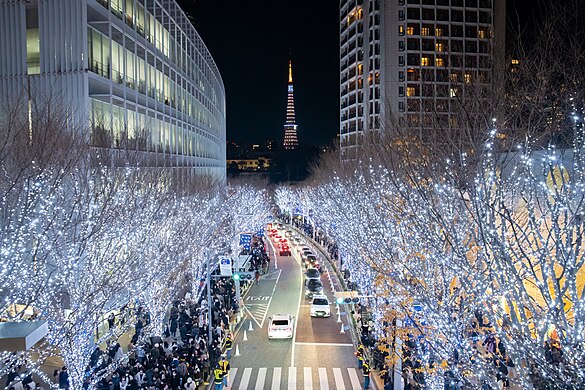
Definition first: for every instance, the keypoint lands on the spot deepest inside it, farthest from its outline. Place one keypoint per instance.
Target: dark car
(312, 262)
(313, 287)
(312, 273)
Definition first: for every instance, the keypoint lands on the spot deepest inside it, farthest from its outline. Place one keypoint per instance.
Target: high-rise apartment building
(406, 59)
(136, 71)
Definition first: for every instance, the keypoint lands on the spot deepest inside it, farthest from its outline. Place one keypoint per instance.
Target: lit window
(410, 91)
(360, 13)
(440, 46)
(439, 62)
(401, 30)
(452, 92)
(481, 34)
(515, 62)
(425, 31)
(467, 78)
(360, 69)
(453, 77)
(424, 61)
(409, 30)
(439, 32)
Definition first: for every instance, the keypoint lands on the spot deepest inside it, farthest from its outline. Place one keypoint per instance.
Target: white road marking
(353, 377)
(323, 378)
(325, 344)
(245, 379)
(292, 378)
(292, 352)
(261, 379)
(308, 378)
(276, 378)
(270, 300)
(231, 377)
(339, 385)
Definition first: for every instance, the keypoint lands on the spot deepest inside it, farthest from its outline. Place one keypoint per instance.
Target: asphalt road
(318, 356)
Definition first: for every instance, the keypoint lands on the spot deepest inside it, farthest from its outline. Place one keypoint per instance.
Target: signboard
(243, 260)
(225, 266)
(260, 233)
(246, 240)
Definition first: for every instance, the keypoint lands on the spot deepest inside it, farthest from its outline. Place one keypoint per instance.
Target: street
(317, 357)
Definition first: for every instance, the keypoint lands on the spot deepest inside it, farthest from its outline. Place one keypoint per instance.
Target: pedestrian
(360, 356)
(111, 319)
(225, 366)
(366, 373)
(228, 345)
(64, 378)
(190, 385)
(218, 378)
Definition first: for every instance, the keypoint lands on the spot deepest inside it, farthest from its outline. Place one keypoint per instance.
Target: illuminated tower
(290, 127)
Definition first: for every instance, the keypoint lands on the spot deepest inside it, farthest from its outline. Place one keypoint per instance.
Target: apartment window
(439, 62)
(467, 78)
(401, 30)
(452, 92)
(424, 61)
(400, 91)
(439, 46)
(401, 106)
(425, 31)
(401, 76)
(360, 69)
(401, 45)
(401, 60)
(410, 91)
(360, 13)
(481, 34)
(401, 14)
(33, 48)
(409, 30)
(453, 77)
(439, 32)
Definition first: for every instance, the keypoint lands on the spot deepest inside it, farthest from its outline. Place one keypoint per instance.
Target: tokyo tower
(291, 140)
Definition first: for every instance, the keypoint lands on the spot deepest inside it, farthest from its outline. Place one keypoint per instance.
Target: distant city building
(137, 71)
(412, 60)
(290, 128)
(270, 144)
(260, 164)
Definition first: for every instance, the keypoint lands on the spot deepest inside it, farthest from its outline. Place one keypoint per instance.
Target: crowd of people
(183, 357)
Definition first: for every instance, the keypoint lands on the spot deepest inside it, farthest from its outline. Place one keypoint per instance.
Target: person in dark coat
(64, 378)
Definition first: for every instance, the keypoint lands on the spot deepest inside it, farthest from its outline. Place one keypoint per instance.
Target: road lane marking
(270, 300)
(325, 344)
(245, 379)
(232, 376)
(339, 384)
(261, 379)
(323, 378)
(308, 378)
(353, 377)
(292, 352)
(276, 375)
(292, 378)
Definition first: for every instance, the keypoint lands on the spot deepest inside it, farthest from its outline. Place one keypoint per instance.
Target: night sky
(251, 42)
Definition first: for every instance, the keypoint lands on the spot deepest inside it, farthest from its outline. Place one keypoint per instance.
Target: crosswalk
(293, 378)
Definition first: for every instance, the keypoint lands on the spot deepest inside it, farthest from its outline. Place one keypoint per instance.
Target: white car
(320, 306)
(280, 326)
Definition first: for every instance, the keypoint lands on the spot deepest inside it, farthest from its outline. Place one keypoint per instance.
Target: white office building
(136, 70)
(407, 59)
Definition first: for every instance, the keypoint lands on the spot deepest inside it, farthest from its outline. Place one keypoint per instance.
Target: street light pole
(209, 309)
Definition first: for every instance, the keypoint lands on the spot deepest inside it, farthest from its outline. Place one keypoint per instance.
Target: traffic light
(243, 276)
(346, 297)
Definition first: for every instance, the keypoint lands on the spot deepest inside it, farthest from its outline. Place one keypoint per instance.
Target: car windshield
(312, 272)
(311, 257)
(314, 283)
(320, 301)
(280, 322)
